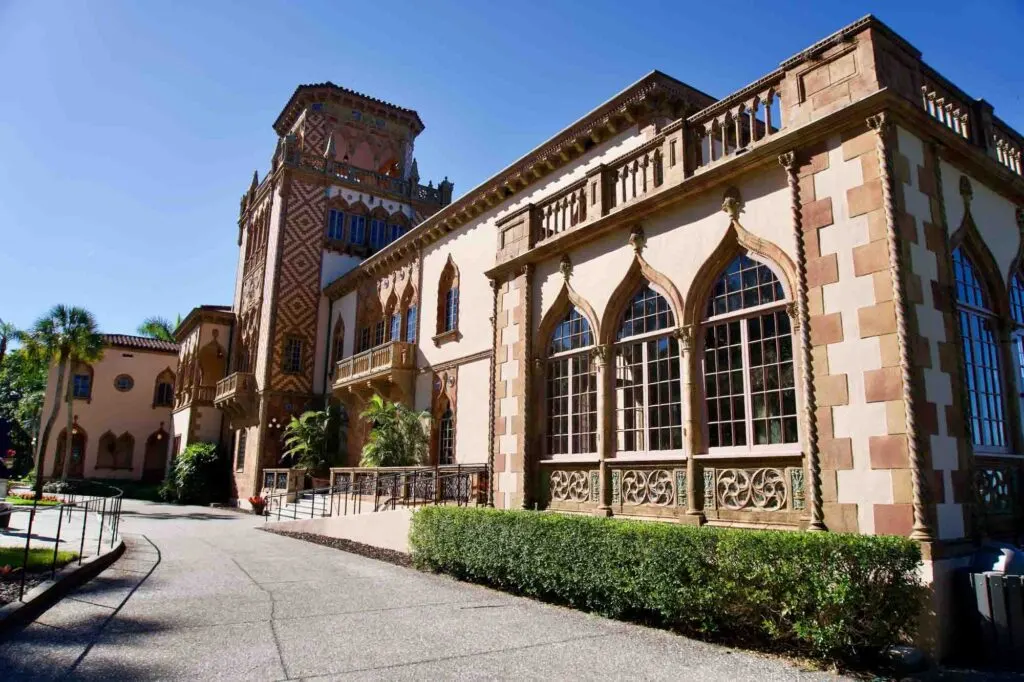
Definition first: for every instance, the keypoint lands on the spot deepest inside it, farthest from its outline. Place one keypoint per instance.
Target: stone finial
(637, 239)
(966, 190)
(414, 174)
(732, 203)
(329, 151)
(255, 181)
(565, 265)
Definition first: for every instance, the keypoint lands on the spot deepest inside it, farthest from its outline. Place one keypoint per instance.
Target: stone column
(884, 133)
(691, 422)
(605, 428)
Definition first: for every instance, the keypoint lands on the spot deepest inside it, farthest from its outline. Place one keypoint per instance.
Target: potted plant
(259, 504)
(5, 514)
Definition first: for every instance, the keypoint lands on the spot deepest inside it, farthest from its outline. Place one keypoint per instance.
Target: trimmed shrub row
(828, 595)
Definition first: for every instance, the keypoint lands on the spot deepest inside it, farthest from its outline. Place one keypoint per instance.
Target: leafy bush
(196, 477)
(824, 594)
(398, 436)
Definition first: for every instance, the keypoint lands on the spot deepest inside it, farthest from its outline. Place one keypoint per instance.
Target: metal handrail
(106, 507)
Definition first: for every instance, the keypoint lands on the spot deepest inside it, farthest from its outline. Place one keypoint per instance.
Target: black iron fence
(81, 522)
(356, 491)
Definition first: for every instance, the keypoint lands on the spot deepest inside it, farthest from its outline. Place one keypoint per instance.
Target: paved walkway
(201, 595)
(49, 522)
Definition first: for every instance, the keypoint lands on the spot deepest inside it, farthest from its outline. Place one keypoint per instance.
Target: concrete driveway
(201, 594)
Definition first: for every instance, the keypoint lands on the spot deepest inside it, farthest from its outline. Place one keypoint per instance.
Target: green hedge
(825, 594)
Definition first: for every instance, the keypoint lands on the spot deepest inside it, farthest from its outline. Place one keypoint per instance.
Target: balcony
(387, 369)
(236, 396)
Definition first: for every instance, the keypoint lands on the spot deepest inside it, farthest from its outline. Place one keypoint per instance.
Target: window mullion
(747, 401)
(569, 403)
(647, 397)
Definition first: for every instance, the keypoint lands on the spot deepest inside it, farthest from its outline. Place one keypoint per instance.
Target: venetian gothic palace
(799, 306)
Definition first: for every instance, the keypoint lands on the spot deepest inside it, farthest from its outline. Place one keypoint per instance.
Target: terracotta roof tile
(140, 343)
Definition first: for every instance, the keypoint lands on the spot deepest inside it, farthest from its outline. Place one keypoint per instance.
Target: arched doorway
(154, 464)
(76, 469)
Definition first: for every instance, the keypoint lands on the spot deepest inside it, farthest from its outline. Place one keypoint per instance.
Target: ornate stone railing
(637, 174)
(1007, 146)
(737, 123)
(204, 394)
(997, 487)
(563, 211)
(373, 181)
(946, 103)
(458, 482)
(391, 356)
(236, 395)
(282, 480)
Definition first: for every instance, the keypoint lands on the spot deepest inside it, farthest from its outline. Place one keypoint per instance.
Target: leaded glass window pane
(410, 324)
(723, 385)
(744, 284)
(446, 439)
(968, 287)
(557, 407)
(451, 309)
(572, 333)
(772, 384)
(629, 397)
(983, 379)
(583, 401)
(1017, 299)
(647, 312)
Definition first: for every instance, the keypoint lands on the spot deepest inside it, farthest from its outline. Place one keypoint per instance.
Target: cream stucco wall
(472, 413)
(112, 410)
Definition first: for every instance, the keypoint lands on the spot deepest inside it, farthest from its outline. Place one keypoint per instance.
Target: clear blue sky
(128, 131)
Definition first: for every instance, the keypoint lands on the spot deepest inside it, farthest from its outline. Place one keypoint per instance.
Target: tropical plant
(159, 328)
(64, 335)
(22, 387)
(305, 441)
(196, 475)
(8, 332)
(397, 436)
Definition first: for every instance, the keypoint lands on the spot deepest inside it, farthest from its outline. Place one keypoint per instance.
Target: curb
(17, 614)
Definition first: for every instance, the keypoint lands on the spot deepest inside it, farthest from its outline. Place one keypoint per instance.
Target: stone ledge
(18, 614)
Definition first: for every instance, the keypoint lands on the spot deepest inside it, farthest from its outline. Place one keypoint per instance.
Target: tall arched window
(410, 324)
(1017, 313)
(648, 393)
(125, 451)
(448, 300)
(446, 438)
(571, 396)
(163, 390)
(749, 382)
(337, 340)
(982, 374)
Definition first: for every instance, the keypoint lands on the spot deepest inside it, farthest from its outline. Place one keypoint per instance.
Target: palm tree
(397, 437)
(159, 328)
(64, 335)
(7, 332)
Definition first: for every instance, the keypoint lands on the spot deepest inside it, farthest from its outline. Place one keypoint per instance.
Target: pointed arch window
(338, 340)
(448, 301)
(648, 392)
(749, 383)
(982, 372)
(446, 438)
(571, 383)
(1017, 313)
(335, 224)
(410, 324)
(163, 390)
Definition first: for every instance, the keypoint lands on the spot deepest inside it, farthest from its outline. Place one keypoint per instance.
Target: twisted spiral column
(788, 161)
(883, 128)
(491, 388)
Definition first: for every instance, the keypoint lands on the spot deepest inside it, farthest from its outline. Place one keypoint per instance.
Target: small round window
(123, 382)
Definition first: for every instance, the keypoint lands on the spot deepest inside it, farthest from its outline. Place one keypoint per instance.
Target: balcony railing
(236, 396)
(373, 181)
(376, 362)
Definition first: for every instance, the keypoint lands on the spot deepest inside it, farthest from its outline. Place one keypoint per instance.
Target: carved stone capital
(788, 160)
(565, 265)
(732, 203)
(685, 336)
(880, 123)
(637, 239)
(600, 354)
(794, 314)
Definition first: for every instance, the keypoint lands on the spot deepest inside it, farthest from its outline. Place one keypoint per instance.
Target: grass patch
(38, 559)
(23, 502)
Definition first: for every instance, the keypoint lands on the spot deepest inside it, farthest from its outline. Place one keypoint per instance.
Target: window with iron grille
(410, 324)
(240, 437)
(446, 438)
(648, 392)
(292, 360)
(571, 396)
(82, 386)
(335, 224)
(378, 234)
(749, 382)
(357, 229)
(451, 310)
(982, 368)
